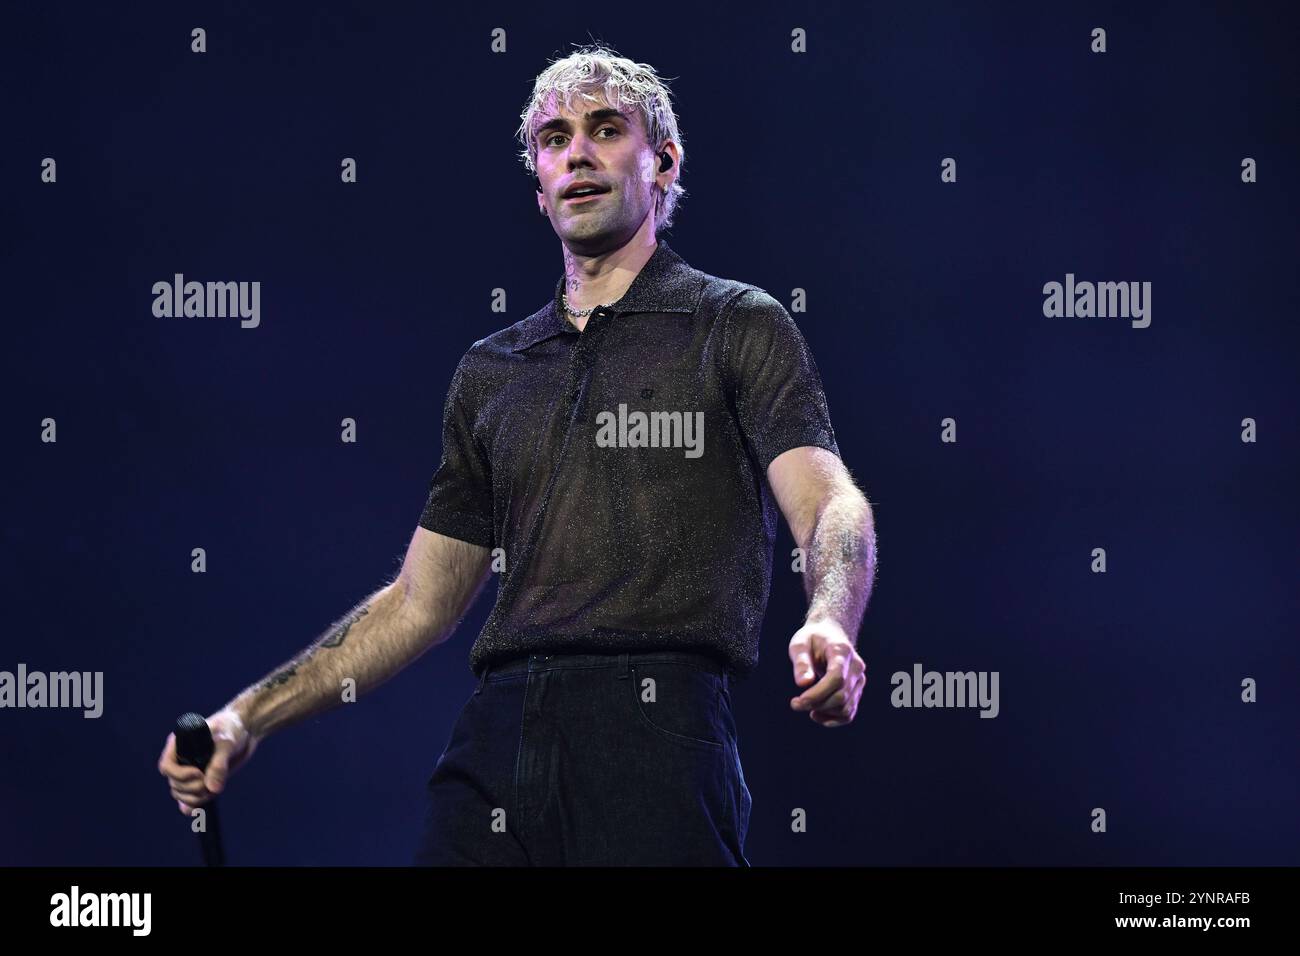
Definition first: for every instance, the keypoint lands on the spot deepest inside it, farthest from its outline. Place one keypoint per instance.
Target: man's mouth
(583, 195)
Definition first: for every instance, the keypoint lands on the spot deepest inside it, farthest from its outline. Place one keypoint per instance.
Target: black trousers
(591, 760)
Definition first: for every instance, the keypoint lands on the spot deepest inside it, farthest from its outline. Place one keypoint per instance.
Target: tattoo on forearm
(282, 676)
(842, 564)
(853, 546)
(334, 638)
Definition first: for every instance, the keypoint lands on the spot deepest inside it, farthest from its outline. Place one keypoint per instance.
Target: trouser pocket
(679, 702)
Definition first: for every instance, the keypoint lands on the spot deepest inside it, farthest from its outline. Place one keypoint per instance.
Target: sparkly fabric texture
(626, 532)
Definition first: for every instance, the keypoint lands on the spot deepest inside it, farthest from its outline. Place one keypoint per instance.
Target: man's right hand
(192, 787)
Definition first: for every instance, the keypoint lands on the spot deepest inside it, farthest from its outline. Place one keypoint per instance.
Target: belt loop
(624, 668)
(482, 679)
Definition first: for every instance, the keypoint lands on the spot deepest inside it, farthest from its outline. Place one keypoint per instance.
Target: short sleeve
(778, 393)
(459, 504)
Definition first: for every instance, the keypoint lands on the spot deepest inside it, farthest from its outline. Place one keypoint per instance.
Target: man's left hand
(822, 647)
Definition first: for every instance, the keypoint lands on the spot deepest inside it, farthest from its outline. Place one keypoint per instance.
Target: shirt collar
(665, 284)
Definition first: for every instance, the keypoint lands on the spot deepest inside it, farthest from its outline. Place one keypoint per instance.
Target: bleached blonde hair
(636, 87)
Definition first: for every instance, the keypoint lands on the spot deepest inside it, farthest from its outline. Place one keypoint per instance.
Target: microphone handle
(214, 851)
(194, 747)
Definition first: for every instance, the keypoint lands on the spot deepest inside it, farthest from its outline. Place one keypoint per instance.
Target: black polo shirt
(622, 469)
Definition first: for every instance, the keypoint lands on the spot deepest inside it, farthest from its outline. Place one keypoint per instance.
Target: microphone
(194, 748)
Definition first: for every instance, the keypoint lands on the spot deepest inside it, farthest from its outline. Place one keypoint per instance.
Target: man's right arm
(439, 580)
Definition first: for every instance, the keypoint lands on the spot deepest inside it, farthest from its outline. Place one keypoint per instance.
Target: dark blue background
(817, 171)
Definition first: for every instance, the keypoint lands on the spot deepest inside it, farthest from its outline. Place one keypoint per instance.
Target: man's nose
(580, 151)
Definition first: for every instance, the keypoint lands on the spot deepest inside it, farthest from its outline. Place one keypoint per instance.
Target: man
(617, 457)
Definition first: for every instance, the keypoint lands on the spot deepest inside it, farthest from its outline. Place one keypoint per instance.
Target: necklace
(580, 313)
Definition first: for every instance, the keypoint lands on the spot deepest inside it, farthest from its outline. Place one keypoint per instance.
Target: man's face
(595, 144)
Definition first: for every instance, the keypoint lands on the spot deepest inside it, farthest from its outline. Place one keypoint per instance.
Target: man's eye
(551, 139)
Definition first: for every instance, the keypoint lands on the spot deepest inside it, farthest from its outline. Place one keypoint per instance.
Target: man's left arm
(832, 522)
